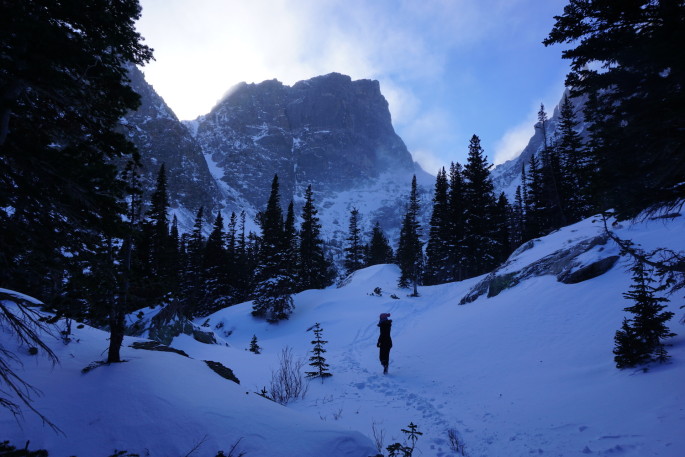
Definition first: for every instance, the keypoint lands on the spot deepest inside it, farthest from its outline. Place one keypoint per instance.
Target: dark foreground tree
(63, 91)
(623, 58)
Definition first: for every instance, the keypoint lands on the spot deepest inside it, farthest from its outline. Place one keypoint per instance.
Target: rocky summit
(329, 131)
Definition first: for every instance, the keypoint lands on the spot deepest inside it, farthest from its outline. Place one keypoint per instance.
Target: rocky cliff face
(162, 139)
(329, 131)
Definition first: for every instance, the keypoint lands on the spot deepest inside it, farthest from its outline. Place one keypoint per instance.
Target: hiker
(384, 340)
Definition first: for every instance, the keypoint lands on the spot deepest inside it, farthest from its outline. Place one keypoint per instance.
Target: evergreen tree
(517, 219)
(315, 270)
(218, 293)
(317, 360)
(574, 164)
(290, 244)
(554, 216)
(410, 249)
(640, 339)
(501, 222)
(62, 98)
(155, 250)
(618, 57)
(192, 291)
(254, 346)
(379, 250)
(457, 219)
(244, 262)
(354, 252)
(275, 283)
(536, 208)
(437, 269)
(480, 245)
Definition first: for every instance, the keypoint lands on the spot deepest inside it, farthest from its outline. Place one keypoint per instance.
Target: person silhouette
(384, 340)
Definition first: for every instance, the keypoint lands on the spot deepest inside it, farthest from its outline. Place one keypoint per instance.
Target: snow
(527, 372)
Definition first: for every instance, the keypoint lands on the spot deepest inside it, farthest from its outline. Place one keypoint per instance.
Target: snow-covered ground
(527, 372)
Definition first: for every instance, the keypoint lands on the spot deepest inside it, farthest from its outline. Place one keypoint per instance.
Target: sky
(448, 68)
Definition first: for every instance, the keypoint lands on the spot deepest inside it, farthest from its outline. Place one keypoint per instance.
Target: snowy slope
(527, 372)
(158, 404)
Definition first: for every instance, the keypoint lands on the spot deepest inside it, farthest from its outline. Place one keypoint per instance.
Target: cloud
(514, 140)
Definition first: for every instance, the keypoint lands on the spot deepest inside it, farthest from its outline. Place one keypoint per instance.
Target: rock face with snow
(162, 139)
(329, 131)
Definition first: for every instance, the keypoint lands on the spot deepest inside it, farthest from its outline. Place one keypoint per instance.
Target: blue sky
(449, 68)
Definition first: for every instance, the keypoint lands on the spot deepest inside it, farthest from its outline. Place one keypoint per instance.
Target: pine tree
(640, 339)
(437, 269)
(192, 291)
(63, 91)
(536, 223)
(555, 216)
(379, 250)
(410, 249)
(317, 360)
(574, 164)
(354, 251)
(517, 219)
(254, 346)
(315, 270)
(275, 284)
(290, 243)
(618, 57)
(480, 245)
(501, 222)
(457, 219)
(218, 293)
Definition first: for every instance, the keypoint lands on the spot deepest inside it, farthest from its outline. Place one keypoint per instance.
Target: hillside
(528, 371)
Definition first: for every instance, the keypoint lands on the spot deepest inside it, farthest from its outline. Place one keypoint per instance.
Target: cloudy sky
(448, 68)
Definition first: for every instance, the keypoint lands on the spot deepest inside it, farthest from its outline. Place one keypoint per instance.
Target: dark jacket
(384, 339)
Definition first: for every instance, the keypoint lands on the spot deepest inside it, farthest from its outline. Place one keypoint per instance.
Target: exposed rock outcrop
(566, 264)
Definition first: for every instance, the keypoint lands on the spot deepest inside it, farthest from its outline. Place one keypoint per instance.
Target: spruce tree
(438, 248)
(536, 222)
(315, 270)
(317, 360)
(640, 339)
(410, 249)
(574, 164)
(379, 250)
(275, 283)
(618, 56)
(501, 221)
(554, 216)
(480, 245)
(254, 346)
(457, 219)
(63, 92)
(517, 219)
(215, 271)
(354, 251)
(192, 291)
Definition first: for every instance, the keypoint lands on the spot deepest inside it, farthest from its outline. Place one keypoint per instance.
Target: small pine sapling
(406, 450)
(640, 339)
(317, 359)
(254, 347)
